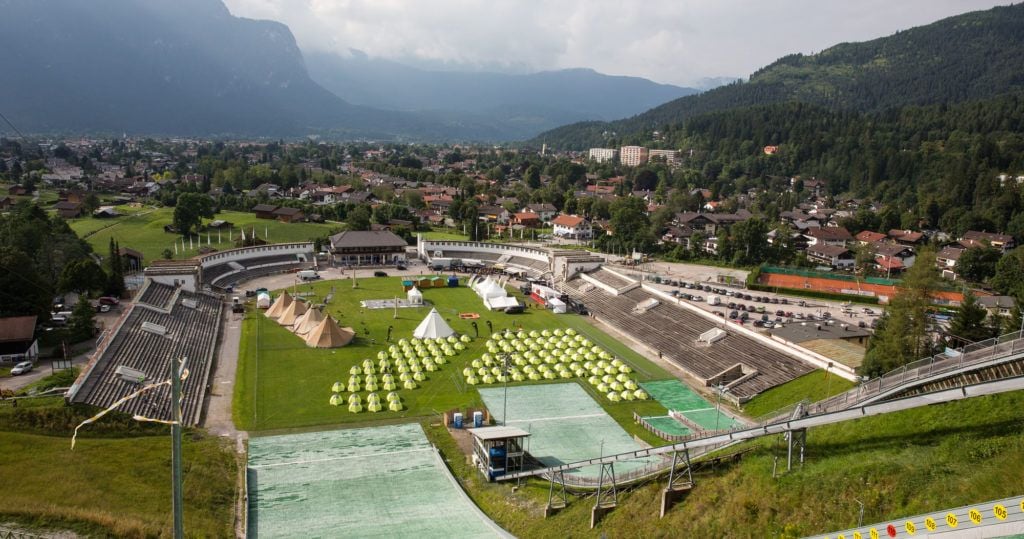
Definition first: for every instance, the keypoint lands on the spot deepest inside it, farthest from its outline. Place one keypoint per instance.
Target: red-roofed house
(906, 237)
(865, 237)
(527, 219)
(572, 226)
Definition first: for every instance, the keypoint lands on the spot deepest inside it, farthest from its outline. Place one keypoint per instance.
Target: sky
(669, 41)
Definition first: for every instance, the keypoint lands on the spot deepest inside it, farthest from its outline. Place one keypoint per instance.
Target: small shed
(414, 296)
(498, 450)
(453, 281)
(408, 285)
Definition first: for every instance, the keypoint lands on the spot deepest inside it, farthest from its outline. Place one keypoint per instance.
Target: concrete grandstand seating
(192, 333)
(262, 271)
(674, 332)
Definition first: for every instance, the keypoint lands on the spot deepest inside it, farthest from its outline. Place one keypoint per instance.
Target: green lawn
(115, 482)
(143, 231)
(289, 385)
(440, 234)
(813, 386)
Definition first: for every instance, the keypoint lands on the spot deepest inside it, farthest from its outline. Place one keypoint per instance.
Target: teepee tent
(292, 313)
(308, 322)
(414, 296)
(328, 335)
(432, 327)
(280, 304)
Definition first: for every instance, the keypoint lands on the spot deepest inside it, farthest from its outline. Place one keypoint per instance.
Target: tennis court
(370, 482)
(674, 395)
(565, 425)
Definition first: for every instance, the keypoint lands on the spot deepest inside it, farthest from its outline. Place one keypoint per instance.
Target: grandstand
(744, 366)
(535, 261)
(219, 276)
(164, 322)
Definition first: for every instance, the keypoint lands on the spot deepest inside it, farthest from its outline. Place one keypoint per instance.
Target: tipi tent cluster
(315, 328)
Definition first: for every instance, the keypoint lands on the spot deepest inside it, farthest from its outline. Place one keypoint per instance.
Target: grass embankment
(116, 482)
(143, 230)
(813, 386)
(899, 464)
(290, 384)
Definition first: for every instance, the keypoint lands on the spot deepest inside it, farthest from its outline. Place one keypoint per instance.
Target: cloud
(676, 41)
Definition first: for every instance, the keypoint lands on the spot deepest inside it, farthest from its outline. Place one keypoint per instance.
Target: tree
(115, 280)
(167, 254)
(978, 264)
(969, 321)
(358, 218)
(82, 276)
(189, 211)
(22, 292)
(903, 334)
(82, 325)
(532, 176)
(1009, 274)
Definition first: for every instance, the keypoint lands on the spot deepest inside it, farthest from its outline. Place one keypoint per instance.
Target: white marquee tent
(414, 296)
(432, 327)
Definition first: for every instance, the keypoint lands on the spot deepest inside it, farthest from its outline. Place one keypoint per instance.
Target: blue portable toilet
(457, 420)
(453, 281)
(478, 419)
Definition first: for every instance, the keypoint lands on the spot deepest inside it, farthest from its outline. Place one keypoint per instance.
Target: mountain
(518, 106)
(972, 56)
(176, 67)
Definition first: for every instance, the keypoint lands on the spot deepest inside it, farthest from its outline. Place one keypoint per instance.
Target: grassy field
(440, 234)
(900, 464)
(813, 386)
(144, 231)
(116, 480)
(289, 385)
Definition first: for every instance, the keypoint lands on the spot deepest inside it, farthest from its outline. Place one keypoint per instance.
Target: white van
(714, 300)
(308, 275)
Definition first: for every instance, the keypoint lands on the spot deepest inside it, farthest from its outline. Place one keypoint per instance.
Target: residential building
(946, 260)
(998, 305)
(602, 155)
(572, 226)
(17, 339)
(669, 156)
(907, 237)
(544, 210)
(68, 210)
(1003, 242)
(832, 255)
(633, 156)
(527, 219)
(289, 215)
(834, 236)
(865, 237)
(264, 211)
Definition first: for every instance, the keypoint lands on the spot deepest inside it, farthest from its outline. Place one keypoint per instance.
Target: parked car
(784, 301)
(732, 305)
(21, 368)
(775, 301)
(862, 324)
(868, 310)
(380, 273)
(734, 314)
(780, 312)
(109, 300)
(769, 325)
(719, 313)
(826, 315)
(400, 267)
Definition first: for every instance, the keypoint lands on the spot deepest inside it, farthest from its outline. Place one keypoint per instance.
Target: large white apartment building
(602, 154)
(668, 155)
(633, 156)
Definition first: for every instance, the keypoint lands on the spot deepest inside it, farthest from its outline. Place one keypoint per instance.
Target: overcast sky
(672, 41)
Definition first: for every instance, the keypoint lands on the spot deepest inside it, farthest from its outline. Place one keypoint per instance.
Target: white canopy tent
(500, 303)
(489, 289)
(433, 327)
(414, 296)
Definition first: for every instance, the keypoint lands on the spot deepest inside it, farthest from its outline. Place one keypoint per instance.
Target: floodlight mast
(177, 369)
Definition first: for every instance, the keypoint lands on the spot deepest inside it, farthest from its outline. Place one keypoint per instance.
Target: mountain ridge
(975, 55)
